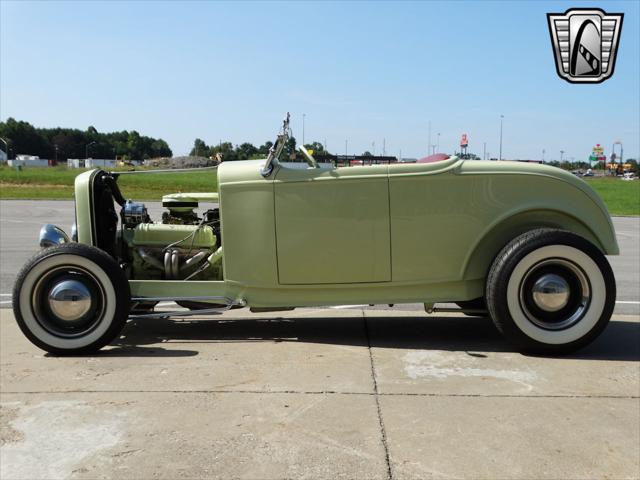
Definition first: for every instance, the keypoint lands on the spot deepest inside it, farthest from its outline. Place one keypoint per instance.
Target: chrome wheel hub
(69, 300)
(555, 294)
(551, 292)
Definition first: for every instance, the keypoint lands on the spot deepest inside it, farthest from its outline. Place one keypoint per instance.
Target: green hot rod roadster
(522, 243)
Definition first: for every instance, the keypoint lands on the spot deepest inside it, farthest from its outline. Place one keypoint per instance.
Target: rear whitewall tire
(111, 290)
(507, 288)
(593, 311)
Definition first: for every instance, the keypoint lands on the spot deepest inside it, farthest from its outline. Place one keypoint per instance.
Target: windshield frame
(277, 147)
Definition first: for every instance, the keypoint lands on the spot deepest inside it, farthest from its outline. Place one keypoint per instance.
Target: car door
(332, 225)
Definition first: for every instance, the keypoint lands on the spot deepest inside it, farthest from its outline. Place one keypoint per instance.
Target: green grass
(621, 198)
(57, 183)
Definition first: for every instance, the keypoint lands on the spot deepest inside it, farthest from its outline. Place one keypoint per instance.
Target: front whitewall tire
(109, 300)
(69, 261)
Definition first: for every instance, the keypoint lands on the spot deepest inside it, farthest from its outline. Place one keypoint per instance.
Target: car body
(376, 234)
(288, 237)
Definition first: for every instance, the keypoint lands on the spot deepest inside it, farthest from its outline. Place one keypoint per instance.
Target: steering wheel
(310, 160)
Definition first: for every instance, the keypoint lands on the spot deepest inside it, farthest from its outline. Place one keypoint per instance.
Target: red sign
(463, 141)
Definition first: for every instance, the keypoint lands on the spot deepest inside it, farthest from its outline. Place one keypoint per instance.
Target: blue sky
(359, 71)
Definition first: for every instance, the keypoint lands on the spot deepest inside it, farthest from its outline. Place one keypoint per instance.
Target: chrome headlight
(51, 235)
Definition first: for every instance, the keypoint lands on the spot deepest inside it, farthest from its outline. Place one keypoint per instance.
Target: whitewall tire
(550, 291)
(71, 299)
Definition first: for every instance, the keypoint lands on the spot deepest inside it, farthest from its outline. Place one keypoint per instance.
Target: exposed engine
(183, 246)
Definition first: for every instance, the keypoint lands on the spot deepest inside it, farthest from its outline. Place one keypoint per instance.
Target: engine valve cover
(161, 235)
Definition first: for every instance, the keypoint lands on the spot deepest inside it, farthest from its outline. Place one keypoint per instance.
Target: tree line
(64, 143)
(248, 151)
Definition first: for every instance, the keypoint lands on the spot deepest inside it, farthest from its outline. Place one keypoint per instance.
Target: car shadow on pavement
(620, 341)
(121, 350)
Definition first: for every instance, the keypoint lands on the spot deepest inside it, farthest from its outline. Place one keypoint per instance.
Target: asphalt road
(20, 222)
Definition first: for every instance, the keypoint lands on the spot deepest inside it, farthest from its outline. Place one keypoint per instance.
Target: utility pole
(484, 150)
(384, 147)
(346, 145)
(303, 117)
(561, 154)
(501, 118)
(373, 147)
(543, 152)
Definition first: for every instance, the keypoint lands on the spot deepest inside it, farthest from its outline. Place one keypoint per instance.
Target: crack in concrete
(383, 431)
(321, 392)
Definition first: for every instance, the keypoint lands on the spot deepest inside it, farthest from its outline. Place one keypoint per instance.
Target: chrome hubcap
(70, 300)
(551, 292)
(555, 294)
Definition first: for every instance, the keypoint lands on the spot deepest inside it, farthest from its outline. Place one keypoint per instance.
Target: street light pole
(501, 118)
(543, 152)
(86, 150)
(303, 117)
(484, 150)
(613, 150)
(561, 154)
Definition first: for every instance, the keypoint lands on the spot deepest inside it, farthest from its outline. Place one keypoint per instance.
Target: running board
(226, 302)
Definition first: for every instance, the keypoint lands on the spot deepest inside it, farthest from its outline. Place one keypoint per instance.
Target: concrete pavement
(361, 392)
(320, 393)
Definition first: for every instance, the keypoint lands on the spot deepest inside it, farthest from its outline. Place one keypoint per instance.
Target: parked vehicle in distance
(521, 242)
